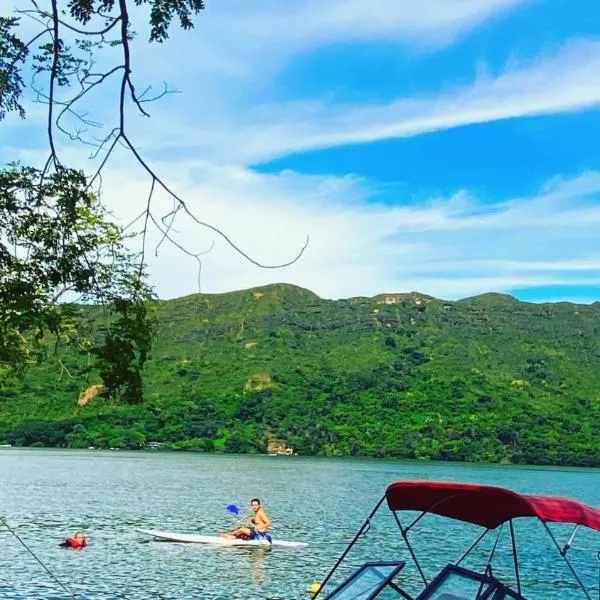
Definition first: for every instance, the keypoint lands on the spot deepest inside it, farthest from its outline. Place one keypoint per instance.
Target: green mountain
(487, 378)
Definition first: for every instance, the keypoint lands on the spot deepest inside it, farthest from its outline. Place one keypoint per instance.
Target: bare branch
(67, 105)
(67, 70)
(158, 96)
(53, 73)
(203, 223)
(145, 228)
(58, 295)
(126, 65)
(171, 215)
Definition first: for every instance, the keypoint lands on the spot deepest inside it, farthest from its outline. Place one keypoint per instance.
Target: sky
(447, 147)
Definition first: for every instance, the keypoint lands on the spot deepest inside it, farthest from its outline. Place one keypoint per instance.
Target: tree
(57, 242)
(65, 70)
(83, 253)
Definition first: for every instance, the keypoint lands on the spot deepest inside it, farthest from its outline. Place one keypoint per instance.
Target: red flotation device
(71, 542)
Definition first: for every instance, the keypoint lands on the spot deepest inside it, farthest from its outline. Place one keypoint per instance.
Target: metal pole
(470, 548)
(572, 569)
(363, 528)
(515, 557)
(412, 552)
(493, 550)
(598, 575)
(567, 546)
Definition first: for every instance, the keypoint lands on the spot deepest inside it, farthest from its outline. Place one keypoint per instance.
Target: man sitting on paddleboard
(258, 525)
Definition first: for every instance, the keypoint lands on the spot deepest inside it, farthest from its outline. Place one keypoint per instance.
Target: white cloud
(566, 81)
(236, 39)
(449, 248)
(312, 22)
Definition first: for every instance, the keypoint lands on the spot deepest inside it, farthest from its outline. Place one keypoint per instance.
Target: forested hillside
(487, 378)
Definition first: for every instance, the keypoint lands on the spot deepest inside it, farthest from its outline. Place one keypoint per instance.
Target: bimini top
(486, 505)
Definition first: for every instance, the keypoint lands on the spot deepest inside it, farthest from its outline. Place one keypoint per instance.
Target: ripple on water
(322, 501)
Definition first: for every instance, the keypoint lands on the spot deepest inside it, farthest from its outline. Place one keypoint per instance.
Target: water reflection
(257, 564)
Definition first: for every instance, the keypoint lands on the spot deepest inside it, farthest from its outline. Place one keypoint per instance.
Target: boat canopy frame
(490, 507)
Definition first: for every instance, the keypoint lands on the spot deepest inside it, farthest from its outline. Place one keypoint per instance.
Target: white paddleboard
(216, 539)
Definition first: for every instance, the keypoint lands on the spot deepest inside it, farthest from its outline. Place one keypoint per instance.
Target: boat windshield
(368, 582)
(456, 583)
(376, 581)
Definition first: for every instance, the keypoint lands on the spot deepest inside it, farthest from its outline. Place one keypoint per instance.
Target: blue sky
(441, 146)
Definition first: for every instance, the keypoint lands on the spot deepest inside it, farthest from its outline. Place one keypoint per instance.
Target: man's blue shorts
(260, 535)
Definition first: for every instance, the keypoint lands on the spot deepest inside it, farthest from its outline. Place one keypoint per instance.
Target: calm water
(45, 495)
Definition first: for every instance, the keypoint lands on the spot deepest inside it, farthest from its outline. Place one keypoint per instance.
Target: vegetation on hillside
(400, 375)
(78, 58)
(58, 242)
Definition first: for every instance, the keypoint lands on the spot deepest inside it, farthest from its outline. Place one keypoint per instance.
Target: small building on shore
(279, 447)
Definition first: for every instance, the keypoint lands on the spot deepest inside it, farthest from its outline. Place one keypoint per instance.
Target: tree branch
(53, 73)
(64, 68)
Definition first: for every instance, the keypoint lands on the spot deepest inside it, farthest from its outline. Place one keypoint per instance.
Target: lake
(45, 495)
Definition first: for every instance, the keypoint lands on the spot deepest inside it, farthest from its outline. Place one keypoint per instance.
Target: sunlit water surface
(46, 495)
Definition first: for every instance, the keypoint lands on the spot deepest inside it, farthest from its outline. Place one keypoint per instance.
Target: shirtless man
(258, 525)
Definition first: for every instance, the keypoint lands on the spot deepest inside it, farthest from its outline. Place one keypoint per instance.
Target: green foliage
(57, 242)
(163, 11)
(12, 51)
(407, 377)
(122, 355)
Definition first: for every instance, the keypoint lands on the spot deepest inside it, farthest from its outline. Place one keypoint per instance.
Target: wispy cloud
(231, 123)
(238, 39)
(449, 247)
(553, 83)
(313, 22)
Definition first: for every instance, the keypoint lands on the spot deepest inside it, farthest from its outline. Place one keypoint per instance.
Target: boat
(498, 511)
(216, 540)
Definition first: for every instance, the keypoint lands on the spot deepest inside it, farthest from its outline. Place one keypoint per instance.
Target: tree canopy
(404, 375)
(58, 244)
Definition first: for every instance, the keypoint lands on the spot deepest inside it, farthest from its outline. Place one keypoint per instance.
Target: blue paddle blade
(232, 508)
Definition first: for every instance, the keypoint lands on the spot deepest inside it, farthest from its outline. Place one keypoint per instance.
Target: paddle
(232, 508)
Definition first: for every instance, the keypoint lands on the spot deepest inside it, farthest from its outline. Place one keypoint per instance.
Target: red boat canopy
(486, 505)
